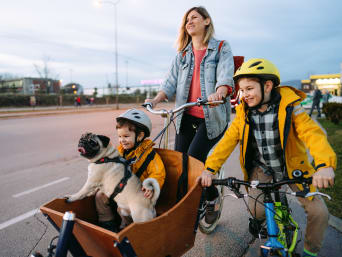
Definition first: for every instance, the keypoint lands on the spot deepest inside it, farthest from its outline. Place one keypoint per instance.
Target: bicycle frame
(276, 215)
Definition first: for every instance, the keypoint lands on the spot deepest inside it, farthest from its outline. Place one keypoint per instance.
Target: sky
(75, 38)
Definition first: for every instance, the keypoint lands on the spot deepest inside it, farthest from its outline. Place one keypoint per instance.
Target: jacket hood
(291, 92)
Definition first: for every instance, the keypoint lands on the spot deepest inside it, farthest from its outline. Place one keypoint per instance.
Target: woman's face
(195, 23)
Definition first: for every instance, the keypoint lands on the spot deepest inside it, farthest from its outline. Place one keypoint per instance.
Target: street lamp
(114, 3)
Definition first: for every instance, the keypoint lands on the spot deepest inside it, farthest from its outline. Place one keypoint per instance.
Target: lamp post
(114, 3)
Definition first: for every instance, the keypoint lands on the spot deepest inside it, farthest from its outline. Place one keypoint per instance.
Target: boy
(273, 131)
(133, 128)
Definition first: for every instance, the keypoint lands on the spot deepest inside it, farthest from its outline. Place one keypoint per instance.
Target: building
(330, 82)
(29, 86)
(73, 88)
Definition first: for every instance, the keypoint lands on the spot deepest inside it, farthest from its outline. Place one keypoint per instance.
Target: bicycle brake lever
(318, 193)
(147, 104)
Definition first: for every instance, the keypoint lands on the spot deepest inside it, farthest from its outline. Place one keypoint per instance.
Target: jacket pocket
(183, 71)
(210, 72)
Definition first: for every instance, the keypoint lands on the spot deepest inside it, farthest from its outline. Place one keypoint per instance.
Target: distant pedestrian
(91, 100)
(77, 101)
(326, 96)
(316, 99)
(87, 100)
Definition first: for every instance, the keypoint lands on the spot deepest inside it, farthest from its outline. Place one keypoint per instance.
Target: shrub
(333, 111)
(17, 100)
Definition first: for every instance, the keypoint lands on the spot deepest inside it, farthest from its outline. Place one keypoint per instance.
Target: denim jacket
(217, 69)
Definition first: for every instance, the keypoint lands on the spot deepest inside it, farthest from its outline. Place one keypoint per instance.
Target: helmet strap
(136, 138)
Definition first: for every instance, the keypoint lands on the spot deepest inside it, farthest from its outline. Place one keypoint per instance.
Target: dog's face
(91, 144)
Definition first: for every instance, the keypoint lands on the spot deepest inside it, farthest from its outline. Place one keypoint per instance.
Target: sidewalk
(8, 113)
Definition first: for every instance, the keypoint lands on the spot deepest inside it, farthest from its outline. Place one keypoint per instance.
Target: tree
(45, 72)
(95, 92)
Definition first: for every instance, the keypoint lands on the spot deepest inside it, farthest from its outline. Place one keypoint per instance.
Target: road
(39, 162)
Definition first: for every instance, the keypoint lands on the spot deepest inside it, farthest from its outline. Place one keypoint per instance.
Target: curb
(48, 112)
(335, 223)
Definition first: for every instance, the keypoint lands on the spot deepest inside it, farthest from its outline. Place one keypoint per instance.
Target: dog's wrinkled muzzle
(88, 146)
(82, 150)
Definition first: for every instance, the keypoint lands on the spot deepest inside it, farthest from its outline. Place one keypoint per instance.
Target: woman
(203, 67)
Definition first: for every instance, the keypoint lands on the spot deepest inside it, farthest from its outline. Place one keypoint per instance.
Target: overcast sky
(301, 37)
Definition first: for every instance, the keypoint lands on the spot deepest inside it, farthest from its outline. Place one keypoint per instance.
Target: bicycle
(169, 116)
(282, 229)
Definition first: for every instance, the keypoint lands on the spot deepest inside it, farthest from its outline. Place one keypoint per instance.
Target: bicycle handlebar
(234, 184)
(199, 102)
(231, 182)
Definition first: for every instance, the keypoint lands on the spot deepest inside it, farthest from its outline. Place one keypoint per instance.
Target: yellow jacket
(155, 168)
(296, 130)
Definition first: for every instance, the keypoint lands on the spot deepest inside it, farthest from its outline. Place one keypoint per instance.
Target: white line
(18, 219)
(40, 187)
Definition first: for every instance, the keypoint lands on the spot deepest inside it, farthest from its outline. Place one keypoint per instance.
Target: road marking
(40, 187)
(18, 218)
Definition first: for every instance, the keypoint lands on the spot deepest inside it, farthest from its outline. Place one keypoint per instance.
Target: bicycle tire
(209, 228)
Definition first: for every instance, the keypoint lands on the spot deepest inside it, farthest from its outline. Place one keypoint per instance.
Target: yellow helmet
(260, 68)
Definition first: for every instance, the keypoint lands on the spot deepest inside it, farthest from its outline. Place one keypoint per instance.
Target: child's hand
(147, 192)
(323, 178)
(205, 178)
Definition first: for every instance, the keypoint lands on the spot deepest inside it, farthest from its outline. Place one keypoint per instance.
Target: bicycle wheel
(207, 228)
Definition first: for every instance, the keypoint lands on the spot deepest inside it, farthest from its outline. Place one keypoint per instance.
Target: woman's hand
(161, 96)
(206, 178)
(323, 178)
(220, 94)
(147, 192)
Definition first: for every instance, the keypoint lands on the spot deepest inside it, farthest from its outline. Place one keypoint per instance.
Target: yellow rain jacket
(297, 130)
(155, 168)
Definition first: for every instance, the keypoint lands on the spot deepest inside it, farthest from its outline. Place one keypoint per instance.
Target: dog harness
(123, 182)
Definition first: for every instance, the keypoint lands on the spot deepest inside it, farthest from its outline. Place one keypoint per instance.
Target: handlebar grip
(147, 104)
(219, 182)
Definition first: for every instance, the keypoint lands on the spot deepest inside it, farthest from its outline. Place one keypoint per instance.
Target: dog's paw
(68, 199)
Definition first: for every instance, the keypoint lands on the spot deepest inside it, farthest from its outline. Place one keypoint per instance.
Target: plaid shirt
(267, 146)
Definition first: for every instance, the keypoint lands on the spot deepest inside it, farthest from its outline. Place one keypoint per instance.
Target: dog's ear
(105, 140)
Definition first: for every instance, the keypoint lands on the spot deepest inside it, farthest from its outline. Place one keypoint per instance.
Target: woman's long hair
(184, 38)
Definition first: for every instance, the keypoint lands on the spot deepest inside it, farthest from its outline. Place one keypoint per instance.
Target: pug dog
(106, 176)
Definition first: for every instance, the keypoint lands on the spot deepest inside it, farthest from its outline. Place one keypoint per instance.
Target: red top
(195, 87)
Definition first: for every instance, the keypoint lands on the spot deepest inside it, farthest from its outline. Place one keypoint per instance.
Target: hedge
(16, 100)
(333, 112)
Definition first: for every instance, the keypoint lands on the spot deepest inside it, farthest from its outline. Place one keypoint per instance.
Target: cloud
(298, 36)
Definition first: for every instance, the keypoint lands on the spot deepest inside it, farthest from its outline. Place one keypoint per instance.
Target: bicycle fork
(272, 230)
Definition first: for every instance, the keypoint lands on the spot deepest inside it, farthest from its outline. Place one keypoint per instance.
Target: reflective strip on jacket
(217, 69)
(296, 130)
(155, 168)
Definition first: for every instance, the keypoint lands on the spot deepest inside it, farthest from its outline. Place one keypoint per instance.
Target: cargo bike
(171, 233)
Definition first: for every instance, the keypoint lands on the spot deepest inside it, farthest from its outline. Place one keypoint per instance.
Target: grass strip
(334, 133)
